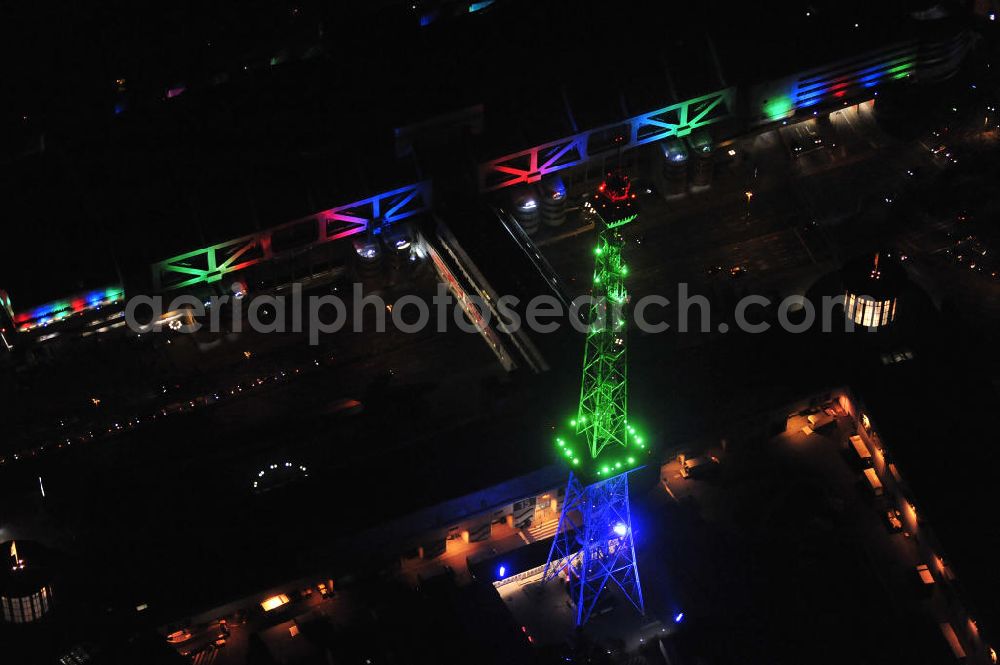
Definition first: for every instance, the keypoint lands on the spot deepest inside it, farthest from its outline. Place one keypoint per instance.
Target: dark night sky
(277, 143)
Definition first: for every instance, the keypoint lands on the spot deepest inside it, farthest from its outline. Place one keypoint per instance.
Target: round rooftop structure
(872, 288)
(279, 475)
(25, 585)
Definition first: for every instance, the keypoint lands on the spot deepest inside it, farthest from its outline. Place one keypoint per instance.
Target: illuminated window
(878, 313)
(867, 320)
(274, 602)
(953, 641)
(26, 609)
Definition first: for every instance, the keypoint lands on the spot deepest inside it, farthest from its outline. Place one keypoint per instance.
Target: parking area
(225, 636)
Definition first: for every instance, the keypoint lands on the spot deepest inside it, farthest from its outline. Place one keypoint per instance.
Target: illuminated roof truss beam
(531, 165)
(862, 61)
(211, 264)
(680, 119)
(865, 71)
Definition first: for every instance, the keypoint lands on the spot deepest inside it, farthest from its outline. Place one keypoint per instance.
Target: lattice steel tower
(593, 544)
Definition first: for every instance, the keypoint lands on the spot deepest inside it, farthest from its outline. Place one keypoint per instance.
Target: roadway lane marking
(805, 246)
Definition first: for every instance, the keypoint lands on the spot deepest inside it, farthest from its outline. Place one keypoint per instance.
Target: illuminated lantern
(675, 165)
(553, 200)
(526, 209)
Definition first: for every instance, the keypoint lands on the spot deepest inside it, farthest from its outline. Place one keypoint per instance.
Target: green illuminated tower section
(600, 441)
(603, 415)
(593, 546)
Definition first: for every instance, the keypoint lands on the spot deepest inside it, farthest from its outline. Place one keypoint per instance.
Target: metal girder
(679, 119)
(598, 546)
(868, 70)
(211, 264)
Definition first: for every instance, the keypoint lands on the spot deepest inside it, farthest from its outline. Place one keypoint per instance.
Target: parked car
(699, 467)
(179, 636)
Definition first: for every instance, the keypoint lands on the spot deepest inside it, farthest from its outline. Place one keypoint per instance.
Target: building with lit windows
(25, 588)
(872, 292)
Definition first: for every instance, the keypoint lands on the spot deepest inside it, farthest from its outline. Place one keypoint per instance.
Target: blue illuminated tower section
(593, 546)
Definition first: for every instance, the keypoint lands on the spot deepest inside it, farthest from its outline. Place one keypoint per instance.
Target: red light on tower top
(615, 201)
(616, 187)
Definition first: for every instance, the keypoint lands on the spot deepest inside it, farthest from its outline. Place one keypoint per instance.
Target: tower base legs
(593, 544)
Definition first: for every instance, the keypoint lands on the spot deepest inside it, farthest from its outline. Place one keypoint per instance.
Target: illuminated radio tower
(593, 544)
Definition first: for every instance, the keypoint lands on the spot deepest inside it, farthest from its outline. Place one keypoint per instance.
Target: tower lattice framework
(594, 546)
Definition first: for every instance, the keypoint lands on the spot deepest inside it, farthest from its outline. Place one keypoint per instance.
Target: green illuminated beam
(778, 107)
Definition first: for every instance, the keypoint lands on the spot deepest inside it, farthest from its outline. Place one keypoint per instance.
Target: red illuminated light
(617, 187)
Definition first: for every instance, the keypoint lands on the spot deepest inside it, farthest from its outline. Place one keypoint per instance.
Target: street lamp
(749, 195)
